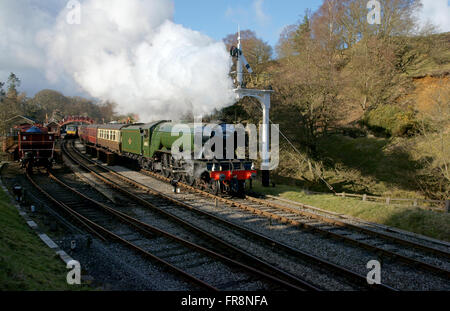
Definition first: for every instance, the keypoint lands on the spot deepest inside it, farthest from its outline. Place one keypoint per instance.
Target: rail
(273, 273)
(408, 260)
(358, 279)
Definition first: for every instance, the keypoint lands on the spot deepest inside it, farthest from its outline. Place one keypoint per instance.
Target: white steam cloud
(132, 53)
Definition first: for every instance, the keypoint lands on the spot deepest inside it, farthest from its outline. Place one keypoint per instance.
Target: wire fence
(434, 205)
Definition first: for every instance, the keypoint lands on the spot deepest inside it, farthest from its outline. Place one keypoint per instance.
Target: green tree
(293, 38)
(13, 85)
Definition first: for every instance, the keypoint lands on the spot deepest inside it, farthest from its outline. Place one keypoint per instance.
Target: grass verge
(432, 224)
(26, 263)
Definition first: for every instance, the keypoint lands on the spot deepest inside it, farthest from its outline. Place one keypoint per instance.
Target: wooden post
(343, 194)
(415, 202)
(365, 197)
(388, 201)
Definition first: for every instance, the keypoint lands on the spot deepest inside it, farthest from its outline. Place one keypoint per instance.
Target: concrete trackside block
(32, 224)
(48, 241)
(63, 255)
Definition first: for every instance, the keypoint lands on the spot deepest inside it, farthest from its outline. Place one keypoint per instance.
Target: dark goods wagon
(36, 148)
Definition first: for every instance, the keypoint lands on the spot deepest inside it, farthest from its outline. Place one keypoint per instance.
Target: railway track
(168, 210)
(367, 237)
(419, 255)
(206, 240)
(193, 262)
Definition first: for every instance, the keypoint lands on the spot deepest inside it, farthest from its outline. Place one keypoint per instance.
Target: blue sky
(217, 18)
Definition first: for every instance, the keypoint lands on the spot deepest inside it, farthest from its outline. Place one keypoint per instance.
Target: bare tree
(435, 128)
(256, 50)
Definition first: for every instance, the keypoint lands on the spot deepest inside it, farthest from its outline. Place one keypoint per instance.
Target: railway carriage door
(141, 131)
(146, 142)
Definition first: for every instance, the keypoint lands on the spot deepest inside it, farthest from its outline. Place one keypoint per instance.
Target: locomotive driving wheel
(165, 166)
(189, 174)
(177, 175)
(215, 187)
(189, 179)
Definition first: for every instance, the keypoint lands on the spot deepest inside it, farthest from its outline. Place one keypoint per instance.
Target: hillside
(433, 55)
(398, 146)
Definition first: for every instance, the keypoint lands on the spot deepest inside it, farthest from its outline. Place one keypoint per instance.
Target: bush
(392, 121)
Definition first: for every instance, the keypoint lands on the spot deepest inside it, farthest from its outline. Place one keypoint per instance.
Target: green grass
(433, 224)
(26, 263)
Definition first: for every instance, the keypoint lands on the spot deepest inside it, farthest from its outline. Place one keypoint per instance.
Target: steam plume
(132, 53)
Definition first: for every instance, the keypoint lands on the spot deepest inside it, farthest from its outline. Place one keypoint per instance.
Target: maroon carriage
(88, 134)
(36, 147)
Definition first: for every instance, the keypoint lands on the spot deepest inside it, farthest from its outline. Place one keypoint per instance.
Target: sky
(218, 18)
(20, 20)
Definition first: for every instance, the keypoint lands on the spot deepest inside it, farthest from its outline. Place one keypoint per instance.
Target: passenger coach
(109, 137)
(88, 134)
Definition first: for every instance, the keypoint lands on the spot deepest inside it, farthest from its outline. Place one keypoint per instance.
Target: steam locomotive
(150, 145)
